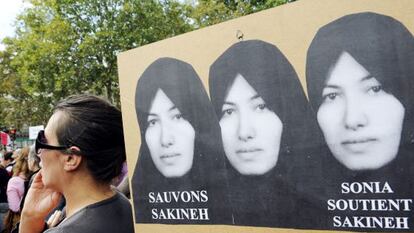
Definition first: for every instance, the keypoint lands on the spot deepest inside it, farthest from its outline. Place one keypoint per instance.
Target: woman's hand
(40, 201)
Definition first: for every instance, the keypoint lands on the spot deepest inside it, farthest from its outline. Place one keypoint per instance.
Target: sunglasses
(41, 143)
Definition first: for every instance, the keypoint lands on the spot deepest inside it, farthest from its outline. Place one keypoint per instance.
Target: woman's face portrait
(361, 122)
(251, 132)
(170, 137)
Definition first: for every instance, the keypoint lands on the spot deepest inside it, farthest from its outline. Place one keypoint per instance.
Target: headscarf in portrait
(385, 48)
(181, 84)
(269, 73)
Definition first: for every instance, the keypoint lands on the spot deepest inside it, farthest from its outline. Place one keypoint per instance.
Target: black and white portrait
(360, 80)
(180, 173)
(262, 112)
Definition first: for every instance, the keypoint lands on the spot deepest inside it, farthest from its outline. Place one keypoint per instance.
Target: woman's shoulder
(117, 202)
(16, 181)
(110, 215)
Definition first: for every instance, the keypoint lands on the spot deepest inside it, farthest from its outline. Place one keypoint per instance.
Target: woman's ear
(72, 159)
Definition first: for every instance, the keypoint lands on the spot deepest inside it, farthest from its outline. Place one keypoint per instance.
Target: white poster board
(34, 130)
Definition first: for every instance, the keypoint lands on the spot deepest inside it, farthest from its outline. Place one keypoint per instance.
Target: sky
(9, 9)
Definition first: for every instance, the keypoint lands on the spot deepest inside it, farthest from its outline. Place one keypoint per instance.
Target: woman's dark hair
(179, 81)
(95, 126)
(271, 75)
(8, 155)
(381, 44)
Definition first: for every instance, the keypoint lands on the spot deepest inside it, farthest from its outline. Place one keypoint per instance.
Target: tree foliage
(209, 12)
(64, 47)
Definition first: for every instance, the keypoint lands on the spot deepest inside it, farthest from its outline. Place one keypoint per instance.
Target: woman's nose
(246, 130)
(355, 115)
(166, 136)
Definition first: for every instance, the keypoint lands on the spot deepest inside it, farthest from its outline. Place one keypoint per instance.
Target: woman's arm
(38, 204)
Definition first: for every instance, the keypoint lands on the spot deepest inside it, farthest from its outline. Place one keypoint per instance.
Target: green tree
(14, 99)
(65, 47)
(210, 12)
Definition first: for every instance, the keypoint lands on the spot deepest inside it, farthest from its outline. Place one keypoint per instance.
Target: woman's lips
(357, 141)
(248, 153)
(250, 150)
(358, 145)
(168, 156)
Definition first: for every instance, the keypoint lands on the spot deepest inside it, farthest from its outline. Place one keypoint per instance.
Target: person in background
(123, 187)
(4, 175)
(124, 173)
(4, 179)
(8, 162)
(121, 182)
(16, 153)
(15, 188)
(79, 160)
(34, 163)
(34, 168)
